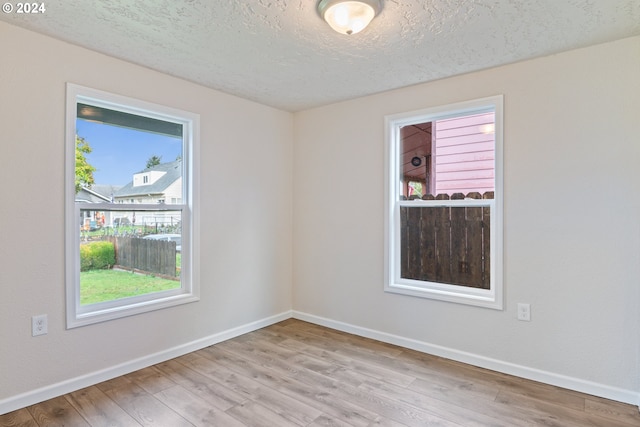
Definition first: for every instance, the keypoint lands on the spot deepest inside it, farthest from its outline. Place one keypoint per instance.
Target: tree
(154, 161)
(84, 171)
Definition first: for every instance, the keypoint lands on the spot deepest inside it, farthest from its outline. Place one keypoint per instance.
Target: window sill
(449, 293)
(97, 313)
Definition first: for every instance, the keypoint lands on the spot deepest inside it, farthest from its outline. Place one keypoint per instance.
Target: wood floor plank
(328, 421)
(560, 414)
(470, 399)
(336, 372)
(611, 410)
(57, 412)
(244, 386)
(194, 409)
(292, 356)
(267, 355)
(19, 418)
(141, 405)
(151, 379)
(466, 414)
(253, 414)
(318, 395)
(98, 409)
(539, 391)
(441, 388)
(363, 348)
(396, 410)
(351, 363)
(432, 372)
(288, 407)
(386, 422)
(356, 343)
(447, 373)
(215, 394)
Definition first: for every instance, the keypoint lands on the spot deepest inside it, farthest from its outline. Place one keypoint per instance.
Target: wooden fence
(447, 244)
(146, 255)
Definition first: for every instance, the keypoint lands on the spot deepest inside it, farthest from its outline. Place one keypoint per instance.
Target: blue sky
(119, 152)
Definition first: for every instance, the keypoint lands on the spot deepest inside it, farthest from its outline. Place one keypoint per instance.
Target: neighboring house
(449, 156)
(463, 154)
(96, 194)
(158, 184)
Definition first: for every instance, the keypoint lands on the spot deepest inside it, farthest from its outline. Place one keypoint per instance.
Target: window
(443, 216)
(127, 250)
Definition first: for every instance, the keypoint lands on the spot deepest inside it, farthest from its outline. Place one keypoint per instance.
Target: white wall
(572, 220)
(246, 215)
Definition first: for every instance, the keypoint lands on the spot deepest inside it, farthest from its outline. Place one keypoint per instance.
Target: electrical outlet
(39, 325)
(524, 312)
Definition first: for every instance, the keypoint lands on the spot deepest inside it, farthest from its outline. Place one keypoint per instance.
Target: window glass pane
(124, 158)
(447, 159)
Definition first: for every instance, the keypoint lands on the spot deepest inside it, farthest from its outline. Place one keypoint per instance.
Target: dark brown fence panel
(146, 255)
(446, 244)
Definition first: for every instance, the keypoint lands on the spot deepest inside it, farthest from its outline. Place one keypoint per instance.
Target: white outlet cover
(39, 325)
(524, 312)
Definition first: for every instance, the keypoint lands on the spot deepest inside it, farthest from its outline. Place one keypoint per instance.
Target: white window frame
(489, 298)
(189, 291)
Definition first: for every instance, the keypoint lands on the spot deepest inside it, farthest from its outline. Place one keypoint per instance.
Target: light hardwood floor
(299, 374)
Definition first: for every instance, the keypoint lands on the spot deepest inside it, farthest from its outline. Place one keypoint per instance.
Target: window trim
(489, 298)
(77, 315)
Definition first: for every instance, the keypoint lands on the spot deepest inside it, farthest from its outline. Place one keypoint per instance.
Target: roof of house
(173, 172)
(97, 193)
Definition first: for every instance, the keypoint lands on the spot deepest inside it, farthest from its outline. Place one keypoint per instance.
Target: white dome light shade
(349, 16)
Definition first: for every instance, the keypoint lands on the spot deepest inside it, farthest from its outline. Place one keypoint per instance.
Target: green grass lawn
(106, 285)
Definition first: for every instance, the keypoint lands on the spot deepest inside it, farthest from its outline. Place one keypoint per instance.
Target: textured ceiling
(280, 53)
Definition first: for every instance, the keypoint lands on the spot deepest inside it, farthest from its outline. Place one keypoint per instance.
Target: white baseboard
(32, 397)
(588, 387)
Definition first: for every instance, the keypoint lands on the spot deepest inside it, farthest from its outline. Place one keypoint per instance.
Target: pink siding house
(449, 156)
(463, 154)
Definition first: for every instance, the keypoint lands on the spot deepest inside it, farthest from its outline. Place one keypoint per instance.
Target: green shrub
(97, 256)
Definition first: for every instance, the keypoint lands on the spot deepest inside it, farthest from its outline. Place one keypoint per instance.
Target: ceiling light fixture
(349, 16)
